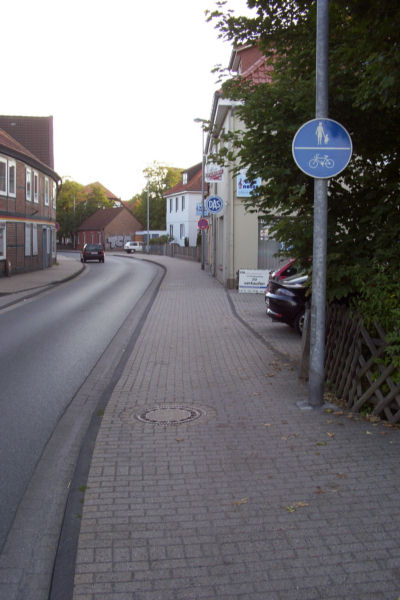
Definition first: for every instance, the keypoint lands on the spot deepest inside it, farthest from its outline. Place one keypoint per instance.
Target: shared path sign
(322, 148)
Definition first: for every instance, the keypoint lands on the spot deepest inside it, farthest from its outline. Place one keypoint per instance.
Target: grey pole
(317, 341)
(203, 166)
(148, 221)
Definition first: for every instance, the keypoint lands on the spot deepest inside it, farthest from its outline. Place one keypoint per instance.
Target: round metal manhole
(169, 415)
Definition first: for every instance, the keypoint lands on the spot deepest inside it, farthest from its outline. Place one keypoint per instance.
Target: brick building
(111, 227)
(28, 190)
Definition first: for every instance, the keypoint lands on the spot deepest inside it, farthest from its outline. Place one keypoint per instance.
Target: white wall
(186, 217)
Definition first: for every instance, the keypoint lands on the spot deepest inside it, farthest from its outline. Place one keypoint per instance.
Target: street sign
(322, 148)
(214, 204)
(202, 224)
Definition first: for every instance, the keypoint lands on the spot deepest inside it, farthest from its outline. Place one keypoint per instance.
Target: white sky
(122, 79)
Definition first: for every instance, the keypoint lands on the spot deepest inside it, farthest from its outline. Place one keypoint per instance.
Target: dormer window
(184, 179)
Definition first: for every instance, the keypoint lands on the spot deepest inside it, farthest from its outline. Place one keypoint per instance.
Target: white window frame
(171, 231)
(176, 203)
(28, 185)
(35, 251)
(36, 187)
(170, 204)
(183, 203)
(3, 161)
(12, 191)
(28, 239)
(46, 192)
(182, 231)
(54, 190)
(3, 240)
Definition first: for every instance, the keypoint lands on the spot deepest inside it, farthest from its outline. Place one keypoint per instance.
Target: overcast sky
(122, 79)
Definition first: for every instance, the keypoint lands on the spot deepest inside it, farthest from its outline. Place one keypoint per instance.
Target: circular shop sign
(214, 204)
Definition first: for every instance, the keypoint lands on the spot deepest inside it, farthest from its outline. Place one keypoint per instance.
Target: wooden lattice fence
(353, 371)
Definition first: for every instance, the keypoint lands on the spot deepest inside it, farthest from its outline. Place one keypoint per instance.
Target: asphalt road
(49, 347)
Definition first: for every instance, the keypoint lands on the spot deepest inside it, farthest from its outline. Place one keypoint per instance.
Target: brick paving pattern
(256, 499)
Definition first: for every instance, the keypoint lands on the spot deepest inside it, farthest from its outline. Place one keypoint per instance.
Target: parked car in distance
(286, 300)
(92, 252)
(133, 246)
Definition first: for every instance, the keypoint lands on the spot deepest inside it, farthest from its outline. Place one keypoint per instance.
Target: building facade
(235, 236)
(28, 195)
(111, 227)
(184, 207)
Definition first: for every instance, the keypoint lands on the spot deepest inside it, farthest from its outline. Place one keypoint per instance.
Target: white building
(184, 207)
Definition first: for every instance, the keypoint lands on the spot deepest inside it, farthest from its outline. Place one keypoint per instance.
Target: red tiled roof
(259, 72)
(34, 133)
(107, 192)
(8, 141)
(193, 185)
(100, 218)
(17, 150)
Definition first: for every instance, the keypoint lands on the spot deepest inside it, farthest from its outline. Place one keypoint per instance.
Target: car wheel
(299, 323)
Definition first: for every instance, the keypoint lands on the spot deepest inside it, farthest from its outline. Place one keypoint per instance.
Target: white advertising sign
(253, 281)
(244, 186)
(214, 173)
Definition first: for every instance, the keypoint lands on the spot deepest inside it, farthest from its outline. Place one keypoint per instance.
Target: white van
(133, 247)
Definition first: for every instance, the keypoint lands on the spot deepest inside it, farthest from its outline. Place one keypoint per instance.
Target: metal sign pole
(317, 341)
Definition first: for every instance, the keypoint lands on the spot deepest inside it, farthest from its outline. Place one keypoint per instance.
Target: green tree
(364, 61)
(70, 195)
(160, 179)
(75, 204)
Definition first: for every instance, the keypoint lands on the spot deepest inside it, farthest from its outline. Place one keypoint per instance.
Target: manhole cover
(169, 415)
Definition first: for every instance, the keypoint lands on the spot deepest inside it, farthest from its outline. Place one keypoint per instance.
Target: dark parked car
(92, 252)
(286, 300)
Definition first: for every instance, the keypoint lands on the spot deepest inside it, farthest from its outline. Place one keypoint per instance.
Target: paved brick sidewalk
(255, 499)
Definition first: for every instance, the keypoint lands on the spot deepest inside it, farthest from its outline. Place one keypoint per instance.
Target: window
(170, 205)
(35, 187)
(3, 176)
(182, 231)
(28, 237)
(54, 186)
(46, 191)
(2, 240)
(184, 178)
(28, 185)
(34, 239)
(183, 202)
(176, 204)
(12, 178)
(171, 231)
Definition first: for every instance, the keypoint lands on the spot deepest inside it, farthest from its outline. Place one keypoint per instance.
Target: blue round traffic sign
(214, 204)
(322, 148)
(202, 224)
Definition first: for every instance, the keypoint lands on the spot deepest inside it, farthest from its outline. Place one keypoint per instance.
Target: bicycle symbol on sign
(324, 161)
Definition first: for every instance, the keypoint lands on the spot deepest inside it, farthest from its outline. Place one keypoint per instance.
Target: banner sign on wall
(253, 281)
(214, 173)
(244, 186)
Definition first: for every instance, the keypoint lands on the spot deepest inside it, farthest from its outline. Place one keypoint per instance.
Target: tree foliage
(364, 63)
(75, 204)
(160, 179)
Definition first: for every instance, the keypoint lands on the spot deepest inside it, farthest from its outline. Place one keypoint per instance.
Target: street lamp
(203, 166)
